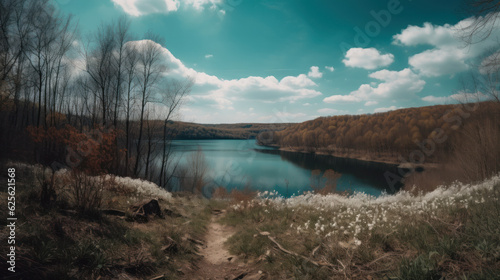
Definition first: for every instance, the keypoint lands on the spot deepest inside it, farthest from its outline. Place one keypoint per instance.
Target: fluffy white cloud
(437, 62)
(212, 91)
(172, 5)
(395, 84)
(369, 58)
(380, 110)
(209, 56)
(145, 7)
(314, 73)
(435, 99)
(201, 4)
(300, 81)
(434, 35)
(448, 54)
(341, 98)
(371, 103)
(129, 7)
(330, 68)
(454, 98)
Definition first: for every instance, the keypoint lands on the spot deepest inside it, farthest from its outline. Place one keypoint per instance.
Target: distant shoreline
(385, 159)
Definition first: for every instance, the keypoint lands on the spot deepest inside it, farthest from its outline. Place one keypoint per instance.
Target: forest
(90, 102)
(188, 131)
(464, 133)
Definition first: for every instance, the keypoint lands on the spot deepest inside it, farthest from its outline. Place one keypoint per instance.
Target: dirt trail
(214, 251)
(217, 262)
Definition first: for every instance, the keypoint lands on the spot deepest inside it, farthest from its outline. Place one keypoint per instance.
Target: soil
(217, 263)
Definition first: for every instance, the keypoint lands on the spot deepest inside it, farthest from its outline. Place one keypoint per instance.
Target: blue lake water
(242, 163)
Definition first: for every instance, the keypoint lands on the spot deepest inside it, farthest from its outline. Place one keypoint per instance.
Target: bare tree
(486, 13)
(130, 65)
(153, 124)
(38, 52)
(172, 100)
(59, 80)
(150, 69)
(99, 66)
(197, 171)
(477, 153)
(15, 26)
(481, 27)
(122, 36)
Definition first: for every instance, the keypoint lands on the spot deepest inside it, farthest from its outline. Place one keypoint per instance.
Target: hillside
(450, 233)
(385, 135)
(186, 130)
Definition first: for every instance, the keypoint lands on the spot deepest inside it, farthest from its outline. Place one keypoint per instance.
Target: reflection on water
(242, 163)
(364, 173)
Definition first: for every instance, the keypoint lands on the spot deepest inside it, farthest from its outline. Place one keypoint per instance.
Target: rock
(145, 208)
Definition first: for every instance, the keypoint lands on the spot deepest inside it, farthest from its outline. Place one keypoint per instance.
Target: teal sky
(295, 60)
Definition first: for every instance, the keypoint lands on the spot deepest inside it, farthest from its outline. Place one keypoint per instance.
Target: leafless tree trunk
(150, 69)
(99, 66)
(172, 99)
(121, 37)
(15, 26)
(131, 79)
(37, 52)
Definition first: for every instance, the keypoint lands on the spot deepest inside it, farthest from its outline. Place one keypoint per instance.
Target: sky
(295, 60)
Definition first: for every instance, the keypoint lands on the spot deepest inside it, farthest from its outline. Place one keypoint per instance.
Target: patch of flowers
(138, 186)
(142, 187)
(354, 217)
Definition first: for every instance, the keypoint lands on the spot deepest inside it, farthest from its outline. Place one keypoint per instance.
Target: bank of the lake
(371, 157)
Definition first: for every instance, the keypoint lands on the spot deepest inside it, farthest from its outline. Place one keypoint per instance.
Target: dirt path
(217, 262)
(214, 251)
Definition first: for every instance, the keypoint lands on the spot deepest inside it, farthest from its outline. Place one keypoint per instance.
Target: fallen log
(113, 212)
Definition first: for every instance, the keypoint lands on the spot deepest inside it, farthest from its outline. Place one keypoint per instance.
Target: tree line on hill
(190, 131)
(466, 134)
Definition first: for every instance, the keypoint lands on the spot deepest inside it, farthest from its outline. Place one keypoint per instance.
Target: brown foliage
(326, 183)
(245, 195)
(220, 193)
(396, 132)
(91, 151)
(477, 149)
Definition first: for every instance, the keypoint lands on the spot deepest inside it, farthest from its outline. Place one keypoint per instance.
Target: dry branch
(281, 248)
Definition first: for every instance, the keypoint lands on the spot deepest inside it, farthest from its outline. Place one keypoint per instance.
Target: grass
(451, 233)
(60, 243)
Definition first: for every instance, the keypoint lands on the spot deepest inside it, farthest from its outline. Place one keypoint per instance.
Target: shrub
(86, 192)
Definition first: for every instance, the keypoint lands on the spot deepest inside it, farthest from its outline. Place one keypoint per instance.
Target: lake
(236, 164)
